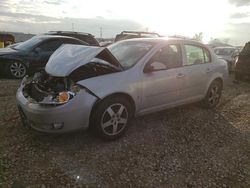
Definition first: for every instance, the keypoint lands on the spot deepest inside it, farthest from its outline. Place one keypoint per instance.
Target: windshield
(29, 44)
(129, 53)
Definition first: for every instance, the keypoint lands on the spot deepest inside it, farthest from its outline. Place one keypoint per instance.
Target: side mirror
(37, 50)
(148, 68)
(154, 66)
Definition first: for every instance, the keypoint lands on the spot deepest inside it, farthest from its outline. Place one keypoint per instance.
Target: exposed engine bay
(43, 88)
(57, 84)
(46, 89)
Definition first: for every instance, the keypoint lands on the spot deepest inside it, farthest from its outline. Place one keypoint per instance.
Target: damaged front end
(46, 89)
(57, 84)
(53, 101)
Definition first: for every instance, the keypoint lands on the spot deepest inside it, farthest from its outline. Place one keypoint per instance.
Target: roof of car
(162, 39)
(138, 33)
(59, 37)
(70, 33)
(54, 36)
(227, 47)
(85, 37)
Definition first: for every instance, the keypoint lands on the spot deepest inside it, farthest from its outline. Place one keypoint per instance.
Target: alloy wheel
(214, 94)
(114, 119)
(18, 70)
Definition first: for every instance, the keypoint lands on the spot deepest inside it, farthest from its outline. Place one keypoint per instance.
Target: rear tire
(111, 117)
(213, 95)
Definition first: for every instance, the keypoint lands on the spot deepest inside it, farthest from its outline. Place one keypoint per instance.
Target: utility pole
(72, 26)
(101, 32)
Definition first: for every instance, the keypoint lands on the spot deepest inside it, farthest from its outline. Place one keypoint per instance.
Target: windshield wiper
(107, 56)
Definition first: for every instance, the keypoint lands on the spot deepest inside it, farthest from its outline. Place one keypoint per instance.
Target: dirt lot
(183, 147)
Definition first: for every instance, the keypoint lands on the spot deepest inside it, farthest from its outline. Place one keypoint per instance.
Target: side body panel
(148, 94)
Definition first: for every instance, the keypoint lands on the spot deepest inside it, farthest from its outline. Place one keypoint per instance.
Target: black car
(242, 64)
(134, 34)
(85, 37)
(32, 55)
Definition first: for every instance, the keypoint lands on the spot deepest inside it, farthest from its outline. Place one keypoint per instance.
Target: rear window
(90, 40)
(197, 55)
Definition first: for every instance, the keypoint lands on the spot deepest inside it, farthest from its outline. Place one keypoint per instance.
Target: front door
(161, 82)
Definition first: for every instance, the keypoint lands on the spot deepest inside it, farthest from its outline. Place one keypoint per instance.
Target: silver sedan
(104, 88)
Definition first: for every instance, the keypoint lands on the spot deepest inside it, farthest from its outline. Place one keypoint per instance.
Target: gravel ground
(183, 147)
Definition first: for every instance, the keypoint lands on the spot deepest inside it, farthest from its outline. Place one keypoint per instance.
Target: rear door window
(72, 41)
(196, 55)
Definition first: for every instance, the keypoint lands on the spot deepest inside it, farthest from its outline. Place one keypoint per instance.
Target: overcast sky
(228, 19)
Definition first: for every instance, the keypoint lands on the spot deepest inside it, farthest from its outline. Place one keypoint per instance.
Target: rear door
(196, 70)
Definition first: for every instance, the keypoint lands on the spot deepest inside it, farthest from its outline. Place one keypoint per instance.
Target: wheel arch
(117, 94)
(218, 78)
(205, 102)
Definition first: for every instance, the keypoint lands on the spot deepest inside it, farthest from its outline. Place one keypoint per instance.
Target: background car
(85, 37)
(104, 88)
(6, 39)
(229, 54)
(134, 34)
(32, 55)
(106, 43)
(242, 64)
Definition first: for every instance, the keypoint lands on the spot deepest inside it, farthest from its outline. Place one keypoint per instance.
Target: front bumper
(73, 115)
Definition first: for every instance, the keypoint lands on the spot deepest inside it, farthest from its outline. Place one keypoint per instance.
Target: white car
(229, 54)
(104, 88)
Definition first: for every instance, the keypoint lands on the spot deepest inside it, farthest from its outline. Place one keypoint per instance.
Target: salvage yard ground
(183, 147)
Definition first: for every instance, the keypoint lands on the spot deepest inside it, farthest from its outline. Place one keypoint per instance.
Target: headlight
(63, 97)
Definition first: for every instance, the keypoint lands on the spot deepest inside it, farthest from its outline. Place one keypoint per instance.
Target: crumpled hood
(69, 57)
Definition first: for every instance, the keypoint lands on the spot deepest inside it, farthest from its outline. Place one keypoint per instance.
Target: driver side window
(50, 46)
(166, 58)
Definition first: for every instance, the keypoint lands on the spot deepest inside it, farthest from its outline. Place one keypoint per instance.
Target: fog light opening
(57, 126)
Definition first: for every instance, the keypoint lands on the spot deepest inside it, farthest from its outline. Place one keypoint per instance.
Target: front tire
(111, 117)
(16, 69)
(213, 94)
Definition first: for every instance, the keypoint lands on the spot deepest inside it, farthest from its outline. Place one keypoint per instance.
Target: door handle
(180, 75)
(209, 70)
